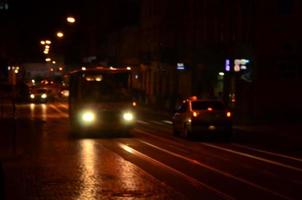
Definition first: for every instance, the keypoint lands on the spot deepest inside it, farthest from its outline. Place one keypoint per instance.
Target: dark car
(40, 95)
(197, 117)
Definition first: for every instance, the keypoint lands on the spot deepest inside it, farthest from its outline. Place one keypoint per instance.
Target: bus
(100, 98)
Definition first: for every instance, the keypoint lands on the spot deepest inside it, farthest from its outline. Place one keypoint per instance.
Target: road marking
(167, 122)
(142, 122)
(254, 157)
(192, 180)
(59, 111)
(212, 168)
(63, 105)
(156, 122)
(269, 152)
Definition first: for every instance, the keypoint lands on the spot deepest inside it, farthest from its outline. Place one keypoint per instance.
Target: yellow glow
(128, 116)
(60, 34)
(229, 114)
(48, 59)
(83, 68)
(134, 103)
(42, 42)
(44, 112)
(195, 114)
(53, 62)
(70, 19)
(32, 96)
(89, 160)
(48, 42)
(45, 52)
(128, 68)
(65, 93)
(47, 47)
(127, 148)
(88, 117)
(44, 96)
(32, 110)
(193, 98)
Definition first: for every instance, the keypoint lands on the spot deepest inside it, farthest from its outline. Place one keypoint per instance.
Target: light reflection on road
(87, 159)
(44, 112)
(35, 107)
(32, 110)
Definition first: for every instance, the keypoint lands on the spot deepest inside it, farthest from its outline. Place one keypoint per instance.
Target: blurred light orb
(70, 19)
(60, 34)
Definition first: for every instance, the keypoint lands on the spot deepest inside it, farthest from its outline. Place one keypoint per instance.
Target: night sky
(33, 20)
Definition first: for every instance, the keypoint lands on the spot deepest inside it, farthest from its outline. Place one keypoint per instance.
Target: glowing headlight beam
(88, 116)
(128, 116)
(44, 96)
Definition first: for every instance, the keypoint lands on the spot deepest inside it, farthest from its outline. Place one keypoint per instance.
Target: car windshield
(204, 105)
(39, 90)
(105, 88)
(42, 91)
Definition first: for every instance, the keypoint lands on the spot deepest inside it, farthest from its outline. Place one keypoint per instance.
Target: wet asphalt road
(149, 164)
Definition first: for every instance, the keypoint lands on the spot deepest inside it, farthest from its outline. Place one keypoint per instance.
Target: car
(199, 117)
(39, 95)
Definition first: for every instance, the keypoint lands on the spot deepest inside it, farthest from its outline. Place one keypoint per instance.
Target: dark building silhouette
(184, 44)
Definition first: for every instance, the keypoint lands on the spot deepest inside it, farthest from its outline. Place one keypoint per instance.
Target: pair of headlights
(89, 116)
(43, 96)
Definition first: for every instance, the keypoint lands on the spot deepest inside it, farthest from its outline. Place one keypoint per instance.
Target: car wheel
(175, 131)
(186, 132)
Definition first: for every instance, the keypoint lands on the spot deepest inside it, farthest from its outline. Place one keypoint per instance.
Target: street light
(70, 20)
(60, 34)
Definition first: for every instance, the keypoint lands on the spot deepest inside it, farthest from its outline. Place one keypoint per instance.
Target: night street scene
(150, 99)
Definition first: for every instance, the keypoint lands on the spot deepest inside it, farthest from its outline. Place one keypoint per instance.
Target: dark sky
(33, 20)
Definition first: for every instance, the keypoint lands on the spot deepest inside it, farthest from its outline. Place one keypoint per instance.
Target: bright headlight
(32, 96)
(128, 116)
(44, 96)
(88, 116)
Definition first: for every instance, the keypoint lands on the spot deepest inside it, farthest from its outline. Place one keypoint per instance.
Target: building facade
(245, 52)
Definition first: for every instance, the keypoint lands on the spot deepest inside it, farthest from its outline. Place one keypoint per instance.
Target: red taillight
(229, 114)
(210, 109)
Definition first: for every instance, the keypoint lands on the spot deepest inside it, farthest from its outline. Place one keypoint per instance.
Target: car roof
(195, 99)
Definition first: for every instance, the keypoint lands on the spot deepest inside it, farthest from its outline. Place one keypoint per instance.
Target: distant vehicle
(198, 117)
(100, 99)
(39, 95)
(64, 92)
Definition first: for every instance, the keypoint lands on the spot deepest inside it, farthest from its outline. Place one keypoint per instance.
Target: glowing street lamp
(48, 59)
(70, 20)
(42, 42)
(60, 34)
